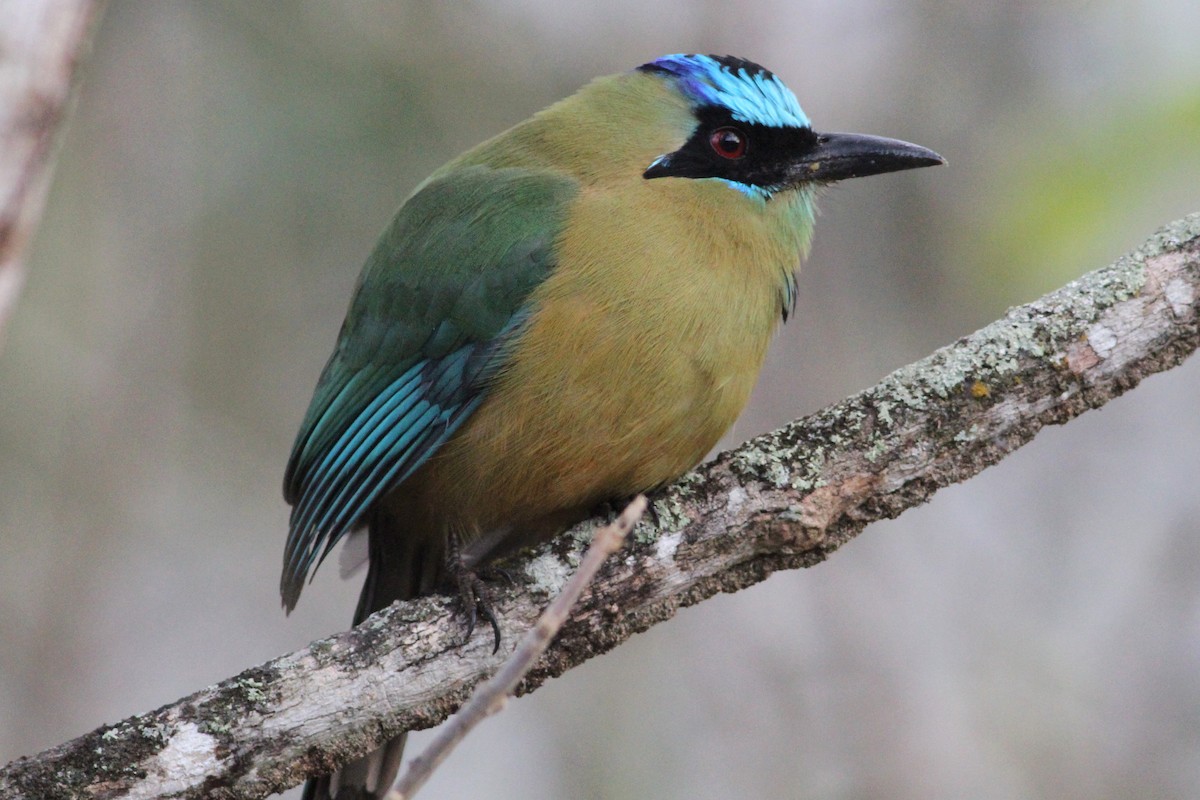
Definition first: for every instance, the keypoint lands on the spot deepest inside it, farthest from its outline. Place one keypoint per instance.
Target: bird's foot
(473, 593)
(613, 507)
(490, 573)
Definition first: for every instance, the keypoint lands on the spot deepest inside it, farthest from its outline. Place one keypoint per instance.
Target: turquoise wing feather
(438, 301)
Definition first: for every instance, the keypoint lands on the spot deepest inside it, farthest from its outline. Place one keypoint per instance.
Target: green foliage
(1058, 200)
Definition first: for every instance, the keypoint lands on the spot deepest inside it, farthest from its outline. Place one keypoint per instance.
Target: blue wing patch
(393, 435)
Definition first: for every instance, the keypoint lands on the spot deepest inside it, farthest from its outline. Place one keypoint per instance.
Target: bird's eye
(728, 143)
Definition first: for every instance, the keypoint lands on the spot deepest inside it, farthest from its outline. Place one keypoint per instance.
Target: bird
(568, 314)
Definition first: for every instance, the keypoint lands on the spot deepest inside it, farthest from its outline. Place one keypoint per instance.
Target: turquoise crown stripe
(751, 93)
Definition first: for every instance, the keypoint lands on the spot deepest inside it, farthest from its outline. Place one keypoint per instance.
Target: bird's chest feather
(642, 349)
(664, 302)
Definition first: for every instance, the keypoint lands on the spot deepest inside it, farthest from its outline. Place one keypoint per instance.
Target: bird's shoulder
(461, 254)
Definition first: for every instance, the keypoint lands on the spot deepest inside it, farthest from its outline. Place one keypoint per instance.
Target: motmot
(570, 313)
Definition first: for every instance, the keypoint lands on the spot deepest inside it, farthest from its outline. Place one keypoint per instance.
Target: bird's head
(751, 132)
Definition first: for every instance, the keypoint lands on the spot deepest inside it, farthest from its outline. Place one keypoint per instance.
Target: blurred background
(1032, 633)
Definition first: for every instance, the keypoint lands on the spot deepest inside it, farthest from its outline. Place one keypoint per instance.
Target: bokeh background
(1033, 633)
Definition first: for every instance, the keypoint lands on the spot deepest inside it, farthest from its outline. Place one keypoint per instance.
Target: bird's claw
(490, 573)
(613, 507)
(476, 602)
(473, 594)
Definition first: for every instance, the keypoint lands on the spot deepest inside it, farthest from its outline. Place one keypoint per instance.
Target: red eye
(728, 143)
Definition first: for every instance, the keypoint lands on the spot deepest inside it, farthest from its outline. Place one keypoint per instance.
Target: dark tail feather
(367, 778)
(402, 566)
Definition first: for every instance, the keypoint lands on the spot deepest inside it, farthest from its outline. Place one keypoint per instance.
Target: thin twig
(493, 695)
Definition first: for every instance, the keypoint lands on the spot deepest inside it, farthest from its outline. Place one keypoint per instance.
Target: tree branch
(40, 45)
(783, 500)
